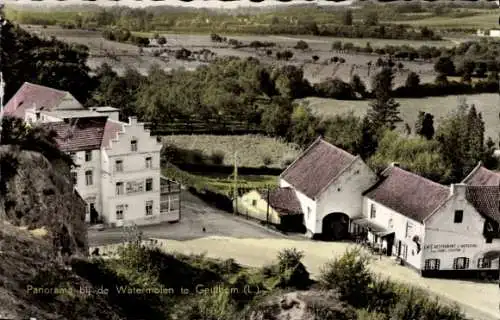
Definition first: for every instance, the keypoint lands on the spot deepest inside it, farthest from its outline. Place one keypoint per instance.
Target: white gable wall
(446, 240)
(309, 208)
(345, 193)
(134, 171)
(383, 215)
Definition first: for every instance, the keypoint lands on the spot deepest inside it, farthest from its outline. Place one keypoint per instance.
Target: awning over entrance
(372, 227)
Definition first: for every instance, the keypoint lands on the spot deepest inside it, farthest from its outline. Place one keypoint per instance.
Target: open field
(251, 150)
(478, 300)
(128, 55)
(488, 104)
(484, 20)
(217, 183)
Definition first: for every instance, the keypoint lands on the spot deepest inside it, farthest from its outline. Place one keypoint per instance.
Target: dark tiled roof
(110, 131)
(481, 176)
(408, 194)
(79, 134)
(486, 200)
(316, 167)
(32, 94)
(283, 200)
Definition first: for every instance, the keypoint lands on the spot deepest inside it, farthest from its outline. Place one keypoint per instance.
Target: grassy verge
(216, 183)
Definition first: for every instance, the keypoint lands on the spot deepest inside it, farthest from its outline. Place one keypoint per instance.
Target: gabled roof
(486, 200)
(480, 176)
(407, 193)
(317, 167)
(44, 98)
(79, 134)
(284, 201)
(111, 131)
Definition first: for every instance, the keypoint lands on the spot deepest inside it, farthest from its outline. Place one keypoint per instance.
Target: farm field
(488, 104)
(223, 185)
(484, 20)
(253, 150)
(128, 55)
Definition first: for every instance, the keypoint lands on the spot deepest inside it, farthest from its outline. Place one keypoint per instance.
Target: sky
(193, 4)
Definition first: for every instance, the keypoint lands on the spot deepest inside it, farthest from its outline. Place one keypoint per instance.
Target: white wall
(134, 169)
(494, 33)
(466, 237)
(93, 190)
(345, 194)
(382, 216)
(308, 205)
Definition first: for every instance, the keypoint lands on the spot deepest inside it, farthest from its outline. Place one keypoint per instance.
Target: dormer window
(133, 145)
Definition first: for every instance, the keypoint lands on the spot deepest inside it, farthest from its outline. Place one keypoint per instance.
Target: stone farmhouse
(117, 164)
(438, 230)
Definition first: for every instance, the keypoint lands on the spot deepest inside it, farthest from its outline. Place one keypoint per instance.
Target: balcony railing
(168, 186)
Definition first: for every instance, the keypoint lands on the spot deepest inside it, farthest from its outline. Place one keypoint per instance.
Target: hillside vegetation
(292, 20)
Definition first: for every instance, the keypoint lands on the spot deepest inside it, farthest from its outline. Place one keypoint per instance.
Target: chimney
(458, 189)
(395, 164)
(132, 120)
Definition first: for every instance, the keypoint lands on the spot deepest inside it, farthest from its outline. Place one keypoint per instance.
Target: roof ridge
(46, 87)
(421, 177)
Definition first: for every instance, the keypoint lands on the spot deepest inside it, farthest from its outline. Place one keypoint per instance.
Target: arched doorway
(335, 226)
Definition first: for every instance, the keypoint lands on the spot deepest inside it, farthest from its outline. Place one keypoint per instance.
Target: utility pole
(235, 182)
(268, 199)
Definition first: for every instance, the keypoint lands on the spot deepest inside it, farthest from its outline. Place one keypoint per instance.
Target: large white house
(328, 183)
(438, 230)
(117, 168)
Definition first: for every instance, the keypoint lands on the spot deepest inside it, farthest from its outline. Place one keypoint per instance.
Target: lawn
(216, 183)
(253, 151)
(488, 104)
(486, 20)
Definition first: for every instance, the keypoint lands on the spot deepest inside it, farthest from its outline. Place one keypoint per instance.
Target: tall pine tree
(384, 111)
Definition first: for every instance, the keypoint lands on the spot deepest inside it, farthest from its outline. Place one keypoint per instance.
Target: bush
(292, 273)
(349, 275)
(267, 161)
(218, 157)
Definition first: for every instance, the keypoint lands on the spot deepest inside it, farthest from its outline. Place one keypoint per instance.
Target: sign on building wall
(449, 247)
(135, 186)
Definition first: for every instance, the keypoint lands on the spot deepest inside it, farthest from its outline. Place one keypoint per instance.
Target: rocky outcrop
(36, 193)
(303, 305)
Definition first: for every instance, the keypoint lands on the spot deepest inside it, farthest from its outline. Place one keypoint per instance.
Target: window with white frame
(459, 216)
(432, 264)
(308, 212)
(73, 156)
(119, 212)
(254, 202)
(409, 228)
(391, 223)
(88, 155)
(119, 165)
(373, 212)
(119, 188)
(483, 263)
(133, 145)
(74, 177)
(89, 178)
(149, 208)
(149, 162)
(461, 263)
(149, 184)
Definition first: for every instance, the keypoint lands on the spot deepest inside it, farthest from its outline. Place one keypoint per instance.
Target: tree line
(146, 20)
